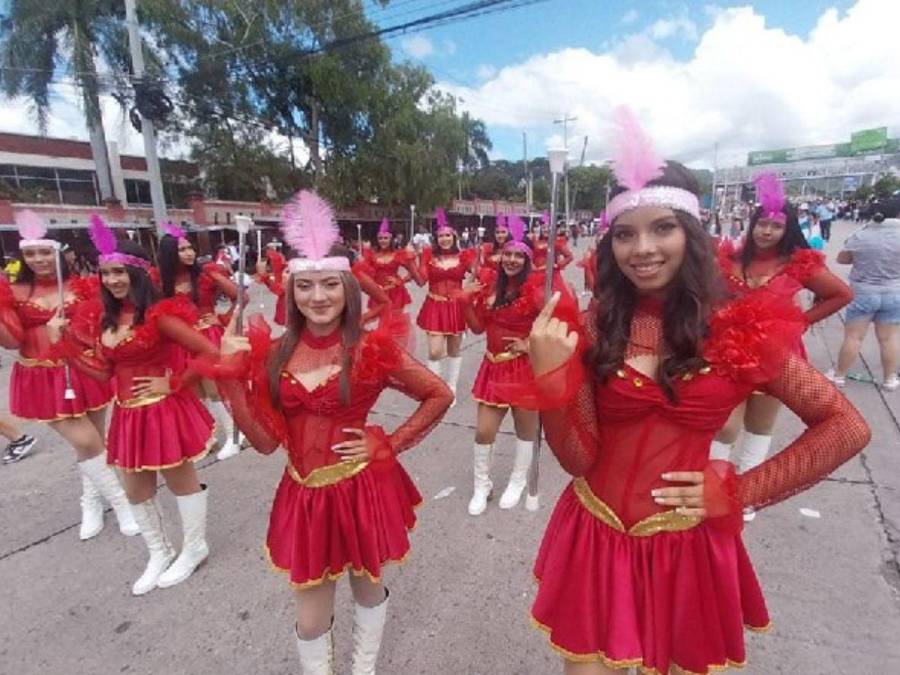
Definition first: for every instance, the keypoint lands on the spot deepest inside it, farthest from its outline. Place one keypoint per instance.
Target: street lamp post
(557, 159)
(412, 222)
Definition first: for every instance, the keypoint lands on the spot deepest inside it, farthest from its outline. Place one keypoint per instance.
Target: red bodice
(489, 258)
(512, 320)
(443, 281)
(562, 253)
(24, 312)
(385, 266)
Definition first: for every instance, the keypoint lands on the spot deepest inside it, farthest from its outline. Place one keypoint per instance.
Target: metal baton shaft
(69, 394)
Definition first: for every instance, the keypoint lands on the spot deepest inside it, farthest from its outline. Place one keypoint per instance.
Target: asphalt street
(460, 602)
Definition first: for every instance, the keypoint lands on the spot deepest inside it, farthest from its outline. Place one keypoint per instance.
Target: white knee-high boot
(232, 445)
(754, 450)
(720, 450)
(316, 655)
(453, 368)
(194, 549)
(149, 519)
(98, 479)
(368, 630)
(519, 475)
(436, 367)
(483, 484)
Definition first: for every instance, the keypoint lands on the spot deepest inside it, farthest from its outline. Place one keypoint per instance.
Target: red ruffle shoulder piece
(85, 288)
(363, 266)
(377, 355)
(405, 256)
(207, 283)
(467, 257)
(751, 337)
(487, 277)
(179, 306)
(805, 263)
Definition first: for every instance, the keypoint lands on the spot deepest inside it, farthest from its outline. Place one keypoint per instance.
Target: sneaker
(18, 449)
(891, 384)
(838, 380)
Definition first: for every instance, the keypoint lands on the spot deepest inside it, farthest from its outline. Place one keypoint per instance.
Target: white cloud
(747, 86)
(449, 47)
(630, 16)
(674, 27)
(485, 71)
(418, 46)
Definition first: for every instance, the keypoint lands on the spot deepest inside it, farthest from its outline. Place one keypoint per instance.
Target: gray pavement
(460, 603)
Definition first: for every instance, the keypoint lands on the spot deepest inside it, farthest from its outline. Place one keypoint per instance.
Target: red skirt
(38, 393)
(399, 296)
(180, 356)
(444, 317)
(358, 524)
(673, 599)
(160, 435)
(514, 371)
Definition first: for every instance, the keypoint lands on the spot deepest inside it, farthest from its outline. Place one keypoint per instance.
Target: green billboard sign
(861, 143)
(868, 140)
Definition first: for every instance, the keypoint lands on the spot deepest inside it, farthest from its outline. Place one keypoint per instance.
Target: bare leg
(437, 346)
(182, 479)
(139, 485)
(526, 423)
(488, 421)
(98, 419)
(315, 609)
(9, 429)
(854, 333)
(366, 592)
(454, 342)
(82, 435)
(731, 430)
(889, 342)
(572, 668)
(761, 414)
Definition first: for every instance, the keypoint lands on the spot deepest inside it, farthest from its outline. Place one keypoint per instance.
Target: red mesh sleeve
(380, 304)
(836, 432)
(571, 428)
(831, 295)
(11, 330)
(82, 341)
(414, 380)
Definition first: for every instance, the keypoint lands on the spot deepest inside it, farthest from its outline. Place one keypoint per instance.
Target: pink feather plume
(104, 238)
(31, 225)
(635, 160)
(769, 193)
(441, 217)
(501, 220)
(309, 225)
(545, 218)
(516, 227)
(385, 227)
(173, 230)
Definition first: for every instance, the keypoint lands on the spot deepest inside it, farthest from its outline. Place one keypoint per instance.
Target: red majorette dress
(385, 270)
(156, 431)
(563, 256)
(274, 280)
(38, 383)
(627, 582)
(330, 516)
(501, 367)
(442, 311)
(771, 275)
(490, 257)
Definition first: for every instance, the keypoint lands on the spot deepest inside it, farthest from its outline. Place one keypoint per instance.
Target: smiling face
(501, 235)
(384, 240)
(445, 240)
(512, 262)
(320, 297)
(40, 260)
(186, 253)
(115, 279)
(767, 233)
(648, 244)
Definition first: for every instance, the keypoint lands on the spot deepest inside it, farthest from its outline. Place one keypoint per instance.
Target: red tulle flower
(378, 354)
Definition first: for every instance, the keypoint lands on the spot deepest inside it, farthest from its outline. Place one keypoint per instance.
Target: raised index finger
(547, 311)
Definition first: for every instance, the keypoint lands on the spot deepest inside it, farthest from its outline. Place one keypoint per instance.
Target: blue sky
(466, 56)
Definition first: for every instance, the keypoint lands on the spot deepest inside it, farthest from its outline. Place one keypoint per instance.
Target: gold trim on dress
(502, 357)
(141, 401)
(327, 475)
(334, 576)
(664, 521)
(65, 416)
(439, 298)
(210, 443)
(37, 363)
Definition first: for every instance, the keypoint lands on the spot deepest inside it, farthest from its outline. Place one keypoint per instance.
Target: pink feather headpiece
(545, 218)
(604, 221)
(173, 230)
(443, 225)
(33, 230)
(636, 163)
(309, 227)
(516, 241)
(105, 242)
(770, 195)
(385, 227)
(501, 222)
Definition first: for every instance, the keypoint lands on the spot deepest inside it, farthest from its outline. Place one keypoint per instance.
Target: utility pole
(527, 173)
(157, 196)
(565, 122)
(712, 202)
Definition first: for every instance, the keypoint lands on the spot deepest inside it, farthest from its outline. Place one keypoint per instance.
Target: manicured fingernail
(659, 500)
(655, 493)
(666, 476)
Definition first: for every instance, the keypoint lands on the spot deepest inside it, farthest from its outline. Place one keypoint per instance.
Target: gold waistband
(665, 521)
(439, 298)
(503, 356)
(141, 401)
(327, 475)
(38, 363)
(207, 321)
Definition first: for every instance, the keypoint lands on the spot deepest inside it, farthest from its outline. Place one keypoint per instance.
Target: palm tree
(37, 36)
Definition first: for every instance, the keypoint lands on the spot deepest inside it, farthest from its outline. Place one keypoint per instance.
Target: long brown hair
(351, 332)
(692, 295)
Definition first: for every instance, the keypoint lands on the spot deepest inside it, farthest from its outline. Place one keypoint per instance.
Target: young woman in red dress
(775, 262)
(490, 252)
(158, 424)
(540, 244)
(344, 503)
(30, 323)
(201, 286)
(385, 263)
(444, 268)
(642, 564)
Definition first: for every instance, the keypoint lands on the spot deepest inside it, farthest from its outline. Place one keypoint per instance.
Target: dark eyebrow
(656, 221)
